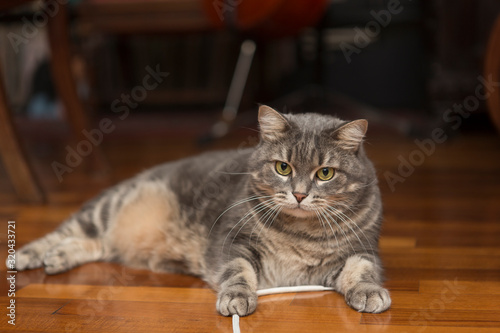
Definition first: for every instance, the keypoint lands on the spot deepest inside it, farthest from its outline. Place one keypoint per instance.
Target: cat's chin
(299, 212)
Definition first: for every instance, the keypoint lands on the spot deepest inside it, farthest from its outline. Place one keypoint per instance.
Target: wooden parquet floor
(440, 246)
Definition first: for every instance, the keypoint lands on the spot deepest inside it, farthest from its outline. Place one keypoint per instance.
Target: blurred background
(175, 70)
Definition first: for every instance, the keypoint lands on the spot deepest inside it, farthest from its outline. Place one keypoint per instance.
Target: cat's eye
(283, 168)
(325, 173)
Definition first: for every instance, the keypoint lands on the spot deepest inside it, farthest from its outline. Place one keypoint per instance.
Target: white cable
(295, 289)
(236, 324)
(278, 290)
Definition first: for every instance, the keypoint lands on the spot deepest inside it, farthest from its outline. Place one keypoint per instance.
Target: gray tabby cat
(301, 208)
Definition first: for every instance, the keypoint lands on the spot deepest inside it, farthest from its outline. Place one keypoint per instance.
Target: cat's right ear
(272, 124)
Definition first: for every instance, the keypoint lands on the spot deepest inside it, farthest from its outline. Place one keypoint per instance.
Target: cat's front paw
(368, 297)
(236, 300)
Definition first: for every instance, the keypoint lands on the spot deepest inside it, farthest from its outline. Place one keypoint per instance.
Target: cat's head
(308, 162)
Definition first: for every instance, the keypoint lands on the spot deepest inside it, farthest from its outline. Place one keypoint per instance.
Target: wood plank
(388, 242)
(27, 310)
(423, 318)
(488, 288)
(485, 239)
(452, 250)
(402, 285)
(368, 327)
(118, 293)
(441, 261)
(422, 227)
(321, 299)
(447, 298)
(105, 315)
(106, 274)
(412, 274)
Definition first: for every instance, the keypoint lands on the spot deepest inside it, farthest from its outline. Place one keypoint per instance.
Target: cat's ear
(272, 124)
(350, 135)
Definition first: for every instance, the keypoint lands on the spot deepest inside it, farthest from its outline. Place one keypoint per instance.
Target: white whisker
(266, 216)
(261, 206)
(272, 220)
(324, 226)
(347, 219)
(242, 201)
(324, 215)
(274, 216)
(340, 228)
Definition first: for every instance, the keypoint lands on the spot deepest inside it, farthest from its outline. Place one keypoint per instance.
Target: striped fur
(232, 219)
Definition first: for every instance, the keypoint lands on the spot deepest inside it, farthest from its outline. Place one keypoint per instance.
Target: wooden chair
(59, 40)
(113, 17)
(13, 156)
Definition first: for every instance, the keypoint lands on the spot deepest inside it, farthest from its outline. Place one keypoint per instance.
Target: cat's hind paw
(368, 297)
(25, 259)
(56, 261)
(236, 300)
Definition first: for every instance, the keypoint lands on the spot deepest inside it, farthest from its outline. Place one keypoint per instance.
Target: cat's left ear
(350, 135)
(272, 124)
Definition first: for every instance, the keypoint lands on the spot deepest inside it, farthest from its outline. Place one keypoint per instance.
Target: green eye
(283, 168)
(325, 173)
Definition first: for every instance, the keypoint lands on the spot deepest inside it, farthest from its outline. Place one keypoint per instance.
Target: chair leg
(14, 159)
(59, 40)
(492, 67)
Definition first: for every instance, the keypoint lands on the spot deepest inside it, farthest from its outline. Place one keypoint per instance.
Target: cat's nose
(299, 196)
